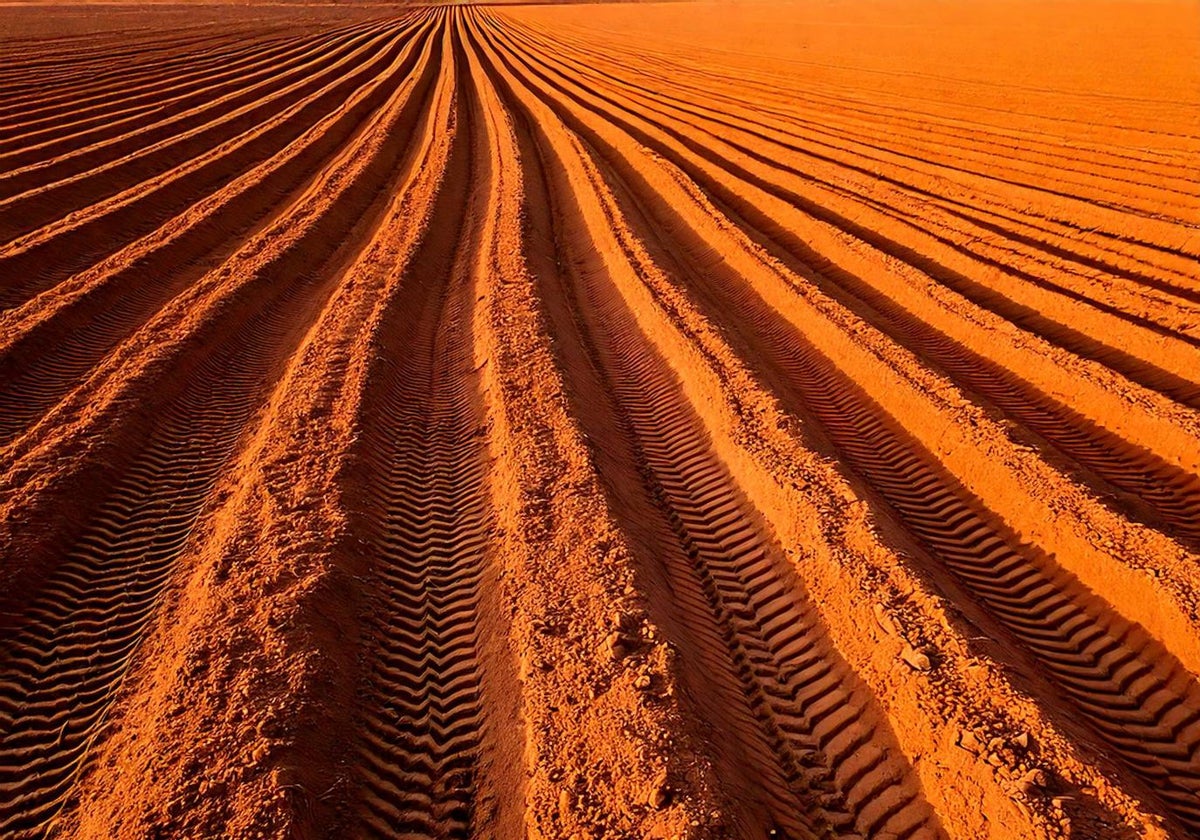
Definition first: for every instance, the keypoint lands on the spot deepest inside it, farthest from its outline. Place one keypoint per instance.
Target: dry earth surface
(627, 421)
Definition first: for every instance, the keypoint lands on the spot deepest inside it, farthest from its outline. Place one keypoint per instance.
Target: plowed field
(608, 421)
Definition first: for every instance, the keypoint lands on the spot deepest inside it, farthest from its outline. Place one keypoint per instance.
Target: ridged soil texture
(422, 508)
(738, 145)
(1136, 697)
(103, 305)
(829, 747)
(70, 644)
(143, 200)
(826, 320)
(1140, 482)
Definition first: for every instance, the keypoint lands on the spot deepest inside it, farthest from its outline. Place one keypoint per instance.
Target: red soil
(685, 420)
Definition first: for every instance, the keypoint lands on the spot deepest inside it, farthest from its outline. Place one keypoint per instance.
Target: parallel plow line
(795, 685)
(702, 149)
(723, 269)
(423, 513)
(70, 646)
(1172, 495)
(110, 300)
(1136, 697)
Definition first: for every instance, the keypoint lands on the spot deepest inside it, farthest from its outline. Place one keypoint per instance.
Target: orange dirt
(600, 421)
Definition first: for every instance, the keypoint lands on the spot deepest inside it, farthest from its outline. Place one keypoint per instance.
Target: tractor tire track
(794, 683)
(70, 645)
(1165, 495)
(424, 516)
(624, 586)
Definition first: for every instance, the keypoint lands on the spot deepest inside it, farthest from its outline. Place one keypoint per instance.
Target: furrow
(57, 136)
(74, 182)
(72, 71)
(971, 224)
(952, 127)
(314, 231)
(868, 149)
(68, 152)
(55, 253)
(107, 303)
(1141, 702)
(1113, 673)
(82, 108)
(579, 421)
(424, 517)
(62, 674)
(1146, 486)
(697, 157)
(790, 676)
(829, 103)
(65, 657)
(67, 101)
(1051, 242)
(1136, 697)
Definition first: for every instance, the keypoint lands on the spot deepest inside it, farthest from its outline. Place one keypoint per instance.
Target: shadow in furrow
(88, 122)
(50, 359)
(82, 126)
(812, 749)
(1133, 694)
(1143, 372)
(39, 195)
(67, 76)
(102, 231)
(1134, 480)
(783, 134)
(68, 647)
(419, 505)
(72, 644)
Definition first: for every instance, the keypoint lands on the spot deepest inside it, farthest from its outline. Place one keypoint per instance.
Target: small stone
(1035, 778)
(969, 741)
(1024, 809)
(1022, 740)
(660, 793)
(643, 682)
(884, 619)
(916, 659)
(659, 796)
(565, 799)
(616, 645)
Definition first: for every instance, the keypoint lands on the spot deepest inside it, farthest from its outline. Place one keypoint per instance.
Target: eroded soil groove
(877, 390)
